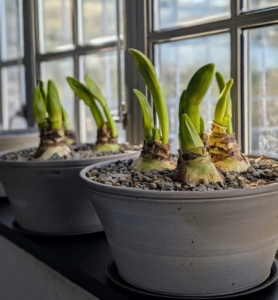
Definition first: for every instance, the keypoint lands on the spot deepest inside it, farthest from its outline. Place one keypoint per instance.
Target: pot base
(114, 276)
(27, 232)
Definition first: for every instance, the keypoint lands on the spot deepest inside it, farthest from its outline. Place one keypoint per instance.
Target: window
(184, 35)
(75, 37)
(12, 78)
(70, 38)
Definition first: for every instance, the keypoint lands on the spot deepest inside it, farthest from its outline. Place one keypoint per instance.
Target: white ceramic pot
(14, 139)
(47, 196)
(189, 243)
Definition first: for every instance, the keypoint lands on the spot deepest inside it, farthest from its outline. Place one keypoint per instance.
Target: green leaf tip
(146, 114)
(97, 95)
(199, 84)
(148, 73)
(189, 137)
(82, 92)
(221, 106)
(220, 81)
(146, 69)
(39, 109)
(95, 90)
(42, 89)
(54, 106)
(195, 93)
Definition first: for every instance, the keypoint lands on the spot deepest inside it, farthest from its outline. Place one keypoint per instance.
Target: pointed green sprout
(42, 89)
(189, 137)
(148, 73)
(194, 163)
(66, 119)
(202, 126)
(82, 92)
(97, 94)
(39, 109)
(54, 106)
(195, 93)
(147, 115)
(221, 84)
(221, 106)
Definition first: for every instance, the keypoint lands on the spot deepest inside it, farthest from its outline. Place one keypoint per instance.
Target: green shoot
(97, 94)
(39, 109)
(147, 114)
(82, 92)
(53, 106)
(189, 137)
(148, 73)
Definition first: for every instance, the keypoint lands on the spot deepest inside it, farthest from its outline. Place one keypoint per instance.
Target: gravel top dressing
(81, 152)
(262, 171)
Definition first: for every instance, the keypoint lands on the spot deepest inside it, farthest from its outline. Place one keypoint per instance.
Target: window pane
(11, 29)
(263, 90)
(258, 4)
(102, 68)
(176, 63)
(58, 70)
(99, 21)
(55, 25)
(13, 97)
(173, 13)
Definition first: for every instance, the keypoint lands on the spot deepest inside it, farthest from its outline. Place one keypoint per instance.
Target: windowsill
(83, 259)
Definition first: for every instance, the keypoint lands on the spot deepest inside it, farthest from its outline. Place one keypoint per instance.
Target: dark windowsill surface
(83, 259)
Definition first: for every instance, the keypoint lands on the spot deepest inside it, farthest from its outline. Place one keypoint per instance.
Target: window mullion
(75, 16)
(29, 58)
(136, 37)
(119, 70)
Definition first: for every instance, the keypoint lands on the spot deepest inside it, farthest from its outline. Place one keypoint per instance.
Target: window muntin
(175, 13)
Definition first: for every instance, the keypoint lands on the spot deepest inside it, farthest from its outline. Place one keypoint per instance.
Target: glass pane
(173, 13)
(263, 90)
(55, 25)
(13, 97)
(176, 62)
(102, 68)
(58, 70)
(11, 29)
(259, 4)
(99, 21)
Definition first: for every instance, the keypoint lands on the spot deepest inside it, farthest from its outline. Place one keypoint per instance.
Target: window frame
(139, 34)
(235, 25)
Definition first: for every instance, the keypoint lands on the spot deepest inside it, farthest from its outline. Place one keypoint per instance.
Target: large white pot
(189, 243)
(48, 197)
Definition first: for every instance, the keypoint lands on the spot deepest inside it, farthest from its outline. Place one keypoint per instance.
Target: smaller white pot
(48, 197)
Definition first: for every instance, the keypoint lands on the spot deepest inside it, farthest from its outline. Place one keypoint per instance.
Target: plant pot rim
(178, 196)
(59, 163)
